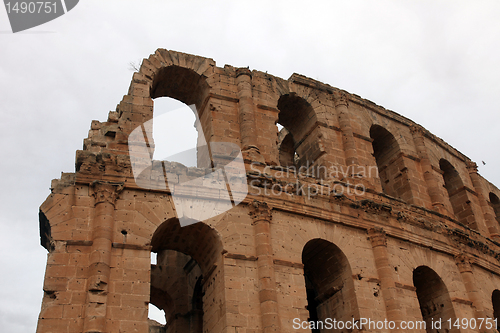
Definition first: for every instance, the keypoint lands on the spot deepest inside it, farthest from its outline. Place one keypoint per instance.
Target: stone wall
(353, 211)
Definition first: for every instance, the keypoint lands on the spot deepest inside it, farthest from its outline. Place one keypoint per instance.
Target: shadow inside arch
(187, 257)
(433, 296)
(180, 83)
(197, 240)
(329, 283)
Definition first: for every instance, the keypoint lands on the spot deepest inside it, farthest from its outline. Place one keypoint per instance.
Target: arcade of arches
(351, 211)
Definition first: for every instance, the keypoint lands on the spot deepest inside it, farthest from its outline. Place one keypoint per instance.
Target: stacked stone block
(353, 211)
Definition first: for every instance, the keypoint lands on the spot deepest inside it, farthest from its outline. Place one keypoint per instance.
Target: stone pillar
(430, 176)
(488, 211)
(261, 216)
(392, 302)
(246, 113)
(464, 266)
(351, 155)
(105, 194)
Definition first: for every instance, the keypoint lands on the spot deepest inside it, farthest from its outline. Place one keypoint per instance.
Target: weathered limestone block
(344, 211)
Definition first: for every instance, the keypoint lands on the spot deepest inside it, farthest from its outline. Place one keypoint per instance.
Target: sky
(433, 61)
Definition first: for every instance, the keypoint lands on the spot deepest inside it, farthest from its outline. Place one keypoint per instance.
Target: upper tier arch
(335, 135)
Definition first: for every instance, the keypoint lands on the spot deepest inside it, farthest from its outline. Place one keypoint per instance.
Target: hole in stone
(156, 314)
(50, 294)
(124, 232)
(174, 120)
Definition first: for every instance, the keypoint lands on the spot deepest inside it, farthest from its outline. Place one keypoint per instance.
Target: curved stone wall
(351, 211)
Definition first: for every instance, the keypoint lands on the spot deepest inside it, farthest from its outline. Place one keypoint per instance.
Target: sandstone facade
(353, 211)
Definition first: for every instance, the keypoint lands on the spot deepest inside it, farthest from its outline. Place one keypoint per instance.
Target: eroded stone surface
(353, 211)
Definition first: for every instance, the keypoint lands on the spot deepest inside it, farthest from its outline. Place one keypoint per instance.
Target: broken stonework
(347, 211)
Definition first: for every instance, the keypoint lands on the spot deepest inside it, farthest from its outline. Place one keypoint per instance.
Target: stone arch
(495, 300)
(433, 297)
(162, 300)
(319, 100)
(390, 163)
(187, 256)
(165, 74)
(298, 117)
(198, 240)
(286, 148)
(187, 86)
(329, 283)
(171, 74)
(152, 70)
(180, 83)
(457, 194)
(452, 180)
(495, 203)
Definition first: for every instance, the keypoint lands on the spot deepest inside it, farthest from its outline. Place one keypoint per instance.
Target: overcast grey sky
(435, 62)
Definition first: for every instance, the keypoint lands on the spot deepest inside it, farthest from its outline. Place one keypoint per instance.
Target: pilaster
(341, 107)
(246, 112)
(430, 176)
(105, 195)
(261, 215)
(378, 240)
(487, 210)
(464, 264)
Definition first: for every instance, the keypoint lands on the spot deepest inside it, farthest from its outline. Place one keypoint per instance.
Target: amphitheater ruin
(344, 211)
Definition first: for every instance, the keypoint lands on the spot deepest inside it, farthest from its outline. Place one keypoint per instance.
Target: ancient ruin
(345, 211)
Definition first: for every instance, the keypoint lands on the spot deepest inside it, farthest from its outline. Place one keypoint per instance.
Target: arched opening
(457, 194)
(495, 300)
(178, 95)
(495, 203)
(391, 169)
(433, 297)
(287, 155)
(180, 83)
(191, 89)
(175, 132)
(173, 282)
(186, 256)
(329, 283)
(297, 143)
